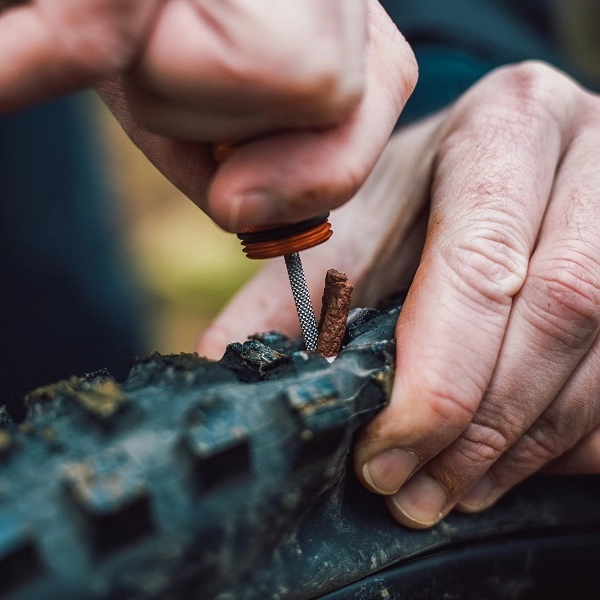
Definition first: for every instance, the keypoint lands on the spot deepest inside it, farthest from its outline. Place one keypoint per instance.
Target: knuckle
(469, 455)
(532, 85)
(528, 78)
(406, 69)
(553, 434)
(321, 80)
(565, 302)
(489, 265)
(481, 444)
(546, 440)
(100, 37)
(99, 50)
(320, 89)
(327, 95)
(514, 106)
(319, 195)
(448, 402)
(395, 57)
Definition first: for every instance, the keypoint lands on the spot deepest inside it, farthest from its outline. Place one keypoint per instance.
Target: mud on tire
(179, 481)
(228, 480)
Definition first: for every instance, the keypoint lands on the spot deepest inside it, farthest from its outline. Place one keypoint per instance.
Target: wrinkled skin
(498, 362)
(498, 372)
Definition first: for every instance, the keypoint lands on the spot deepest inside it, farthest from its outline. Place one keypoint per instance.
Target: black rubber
(228, 479)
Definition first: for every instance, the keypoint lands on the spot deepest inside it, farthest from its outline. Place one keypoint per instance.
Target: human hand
(498, 361)
(309, 91)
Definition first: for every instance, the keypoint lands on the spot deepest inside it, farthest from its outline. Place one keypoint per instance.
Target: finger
(49, 48)
(553, 324)
(584, 458)
(289, 62)
(29, 57)
(214, 122)
(292, 176)
(488, 199)
(558, 316)
(571, 417)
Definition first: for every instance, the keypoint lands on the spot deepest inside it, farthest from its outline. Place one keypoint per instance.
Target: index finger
(28, 54)
(493, 179)
(50, 48)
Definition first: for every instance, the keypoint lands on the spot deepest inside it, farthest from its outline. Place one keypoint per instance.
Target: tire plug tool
(288, 241)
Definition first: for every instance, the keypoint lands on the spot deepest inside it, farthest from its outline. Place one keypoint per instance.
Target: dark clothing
(67, 300)
(457, 41)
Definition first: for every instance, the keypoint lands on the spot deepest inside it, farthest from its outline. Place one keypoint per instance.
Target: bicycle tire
(229, 480)
(177, 481)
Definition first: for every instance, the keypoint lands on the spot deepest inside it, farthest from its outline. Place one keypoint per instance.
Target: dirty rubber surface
(228, 480)
(178, 481)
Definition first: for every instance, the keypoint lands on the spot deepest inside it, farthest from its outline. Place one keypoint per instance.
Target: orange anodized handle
(279, 240)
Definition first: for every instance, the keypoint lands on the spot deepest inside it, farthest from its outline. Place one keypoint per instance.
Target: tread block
(184, 368)
(19, 559)
(279, 342)
(322, 415)
(219, 453)
(98, 376)
(6, 443)
(358, 322)
(97, 393)
(252, 360)
(308, 362)
(370, 326)
(101, 399)
(375, 393)
(112, 498)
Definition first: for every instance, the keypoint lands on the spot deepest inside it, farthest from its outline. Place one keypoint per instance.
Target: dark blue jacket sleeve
(458, 41)
(67, 298)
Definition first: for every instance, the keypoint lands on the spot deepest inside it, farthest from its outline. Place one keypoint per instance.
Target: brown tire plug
(287, 241)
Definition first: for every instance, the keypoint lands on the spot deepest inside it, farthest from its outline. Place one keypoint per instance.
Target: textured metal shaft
(306, 315)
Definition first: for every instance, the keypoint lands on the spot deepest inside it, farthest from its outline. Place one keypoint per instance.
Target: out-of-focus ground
(186, 265)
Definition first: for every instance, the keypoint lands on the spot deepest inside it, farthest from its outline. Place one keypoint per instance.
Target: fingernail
(477, 497)
(387, 471)
(422, 500)
(257, 207)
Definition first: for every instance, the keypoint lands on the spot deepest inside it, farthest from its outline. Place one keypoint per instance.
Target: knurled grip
(306, 315)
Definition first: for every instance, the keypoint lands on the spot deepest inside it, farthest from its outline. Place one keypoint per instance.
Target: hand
(498, 357)
(309, 91)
